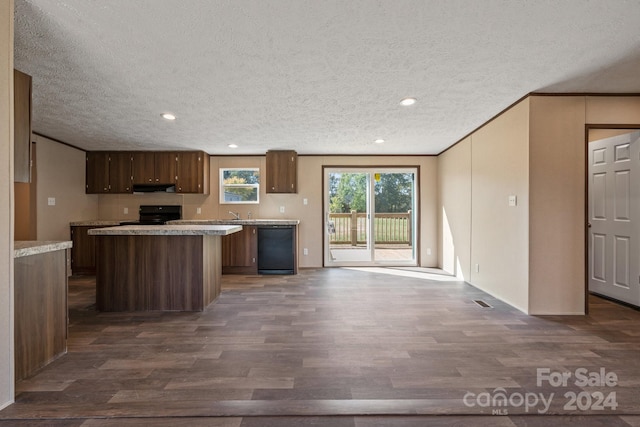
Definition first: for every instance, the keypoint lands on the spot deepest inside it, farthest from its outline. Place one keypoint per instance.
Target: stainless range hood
(153, 188)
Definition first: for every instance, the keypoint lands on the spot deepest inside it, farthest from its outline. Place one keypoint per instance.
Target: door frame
(418, 202)
(588, 127)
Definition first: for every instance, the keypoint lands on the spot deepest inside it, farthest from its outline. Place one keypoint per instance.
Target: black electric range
(156, 215)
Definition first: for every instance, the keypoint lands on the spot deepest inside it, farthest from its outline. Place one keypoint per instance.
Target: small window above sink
(239, 185)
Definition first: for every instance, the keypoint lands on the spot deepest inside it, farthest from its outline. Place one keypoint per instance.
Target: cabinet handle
(149, 179)
(254, 260)
(157, 179)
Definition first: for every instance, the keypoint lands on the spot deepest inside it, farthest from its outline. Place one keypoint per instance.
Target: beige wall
(454, 210)
(499, 232)
(309, 187)
(61, 175)
(532, 257)
(557, 188)
(6, 204)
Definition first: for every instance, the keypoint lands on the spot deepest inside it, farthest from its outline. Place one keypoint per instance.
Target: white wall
(6, 204)
(61, 175)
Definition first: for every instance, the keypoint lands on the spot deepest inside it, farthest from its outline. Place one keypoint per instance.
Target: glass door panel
(347, 217)
(394, 219)
(370, 216)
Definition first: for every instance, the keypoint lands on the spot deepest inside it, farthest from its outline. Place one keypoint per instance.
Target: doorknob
(588, 225)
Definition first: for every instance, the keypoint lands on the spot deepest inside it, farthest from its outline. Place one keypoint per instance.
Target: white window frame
(240, 202)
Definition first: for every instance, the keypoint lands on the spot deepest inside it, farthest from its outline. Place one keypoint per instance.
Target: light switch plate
(198, 211)
(281, 209)
(51, 201)
(513, 200)
(305, 201)
(125, 211)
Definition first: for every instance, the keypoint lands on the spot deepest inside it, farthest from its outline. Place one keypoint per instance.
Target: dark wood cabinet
(117, 171)
(108, 172)
(40, 331)
(281, 171)
(22, 126)
(97, 172)
(120, 172)
(192, 172)
(240, 251)
(83, 251)
(150, 167)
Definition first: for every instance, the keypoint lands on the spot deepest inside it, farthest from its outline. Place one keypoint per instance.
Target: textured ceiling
(317, 76)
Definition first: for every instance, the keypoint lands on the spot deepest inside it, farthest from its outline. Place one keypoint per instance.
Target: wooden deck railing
(390, 228)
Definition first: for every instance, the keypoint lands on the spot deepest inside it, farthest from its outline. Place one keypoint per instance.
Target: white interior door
(614, 221)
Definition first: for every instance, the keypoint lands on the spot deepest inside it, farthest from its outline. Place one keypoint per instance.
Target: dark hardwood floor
(336, 347)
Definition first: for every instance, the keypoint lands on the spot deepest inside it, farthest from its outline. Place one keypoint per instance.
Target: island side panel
(40, 311)
(174, 272)
(212, 268)
(120, 266)
(150, 272)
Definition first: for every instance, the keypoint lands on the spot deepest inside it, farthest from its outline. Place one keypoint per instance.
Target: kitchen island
(161, 267)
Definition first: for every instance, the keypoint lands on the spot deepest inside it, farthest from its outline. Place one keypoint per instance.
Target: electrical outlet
(428, 251)
(281, 209)
(51, 201)
(305, 201)
(477, 268)
(125, 211)
(305, 251)
(513, 200)
(198, 211)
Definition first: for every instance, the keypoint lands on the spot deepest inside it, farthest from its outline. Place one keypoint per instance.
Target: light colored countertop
(167, 230)
(23, 248)
(236, 221)
(96, 222)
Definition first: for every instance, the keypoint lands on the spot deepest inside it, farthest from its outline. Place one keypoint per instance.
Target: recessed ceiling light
(232, 145)
(168, 116)
(379, 141)
(408, 101)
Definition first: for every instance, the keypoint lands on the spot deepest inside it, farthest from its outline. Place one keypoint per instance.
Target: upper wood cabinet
(150, 167)
(192, 172)
(117, 171)
(22, 126)
(120, 172)
(108, 172)
(282, 171)
(97, 172)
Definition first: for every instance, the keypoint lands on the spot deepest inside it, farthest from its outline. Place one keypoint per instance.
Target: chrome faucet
(236, 215)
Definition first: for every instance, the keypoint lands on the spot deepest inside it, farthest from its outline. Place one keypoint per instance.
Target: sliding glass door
(370, 216)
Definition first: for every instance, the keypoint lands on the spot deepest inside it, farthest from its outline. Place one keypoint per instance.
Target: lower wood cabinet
(40, 311)
(83, 252)
(240, 251)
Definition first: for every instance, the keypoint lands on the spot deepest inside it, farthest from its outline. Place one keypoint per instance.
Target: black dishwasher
(276, 249)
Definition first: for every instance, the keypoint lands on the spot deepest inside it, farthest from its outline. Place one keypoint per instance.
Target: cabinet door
(165, 167)
(240, 252)
(143, 167)
(22, 126)
(281, 172)
(97, 172)
(120, 172)
(190, 172)
(83, 251)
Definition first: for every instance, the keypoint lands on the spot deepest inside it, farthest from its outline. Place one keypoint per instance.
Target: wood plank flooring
(331, 347)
